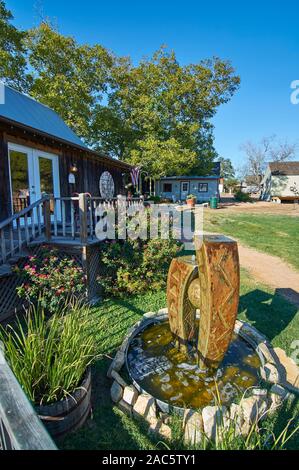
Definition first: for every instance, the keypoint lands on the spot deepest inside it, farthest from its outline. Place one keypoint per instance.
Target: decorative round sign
(106, 185)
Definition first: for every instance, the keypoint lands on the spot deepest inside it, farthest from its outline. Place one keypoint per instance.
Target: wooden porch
(68, 224)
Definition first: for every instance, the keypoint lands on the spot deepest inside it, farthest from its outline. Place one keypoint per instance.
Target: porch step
(5, 270)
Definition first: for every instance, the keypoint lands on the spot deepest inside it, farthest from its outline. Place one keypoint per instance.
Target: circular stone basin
(173, 377)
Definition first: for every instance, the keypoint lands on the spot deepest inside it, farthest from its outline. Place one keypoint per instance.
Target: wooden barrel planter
(67, 415)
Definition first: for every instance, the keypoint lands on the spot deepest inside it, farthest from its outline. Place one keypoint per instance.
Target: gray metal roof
(186, 178)
(284, 168)
(27, 111)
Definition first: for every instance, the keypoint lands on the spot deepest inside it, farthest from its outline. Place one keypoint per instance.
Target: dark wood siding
(90, 166)
(4, 178)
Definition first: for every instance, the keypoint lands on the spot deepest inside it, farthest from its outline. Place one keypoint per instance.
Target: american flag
(134, 175)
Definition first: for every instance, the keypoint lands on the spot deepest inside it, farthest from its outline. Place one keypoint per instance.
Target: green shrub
(59, 280)
(49, 357)
(135, 266)
(242, 197)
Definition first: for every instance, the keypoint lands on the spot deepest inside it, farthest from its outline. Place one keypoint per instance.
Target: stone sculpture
(211, 284)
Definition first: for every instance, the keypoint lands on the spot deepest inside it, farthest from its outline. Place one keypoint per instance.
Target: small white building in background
(281, 181)
(177, 188)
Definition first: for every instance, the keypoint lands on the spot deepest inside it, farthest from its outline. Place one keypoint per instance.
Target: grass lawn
(274, 234)
(109, 429)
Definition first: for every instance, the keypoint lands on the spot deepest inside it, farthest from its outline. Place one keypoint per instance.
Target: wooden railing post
(47, 219)
(83, 218)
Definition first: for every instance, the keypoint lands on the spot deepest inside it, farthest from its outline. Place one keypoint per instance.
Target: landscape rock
(237, 420)
(125, 407)
(158, 427)
(267, 352)
(145, 407)
(269, 373)
(117, 363)
(289, 370)
(253, 408)
(260, 392)
(116, 392)
(215, 419)
(277, 395)
(130, 395)
(163, 311)
(193, 427)
(150, 314)
(115, 375)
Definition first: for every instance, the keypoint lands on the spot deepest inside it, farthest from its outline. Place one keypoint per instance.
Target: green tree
(12, 51)
(68, 77)
(226, 168)
(162, 112)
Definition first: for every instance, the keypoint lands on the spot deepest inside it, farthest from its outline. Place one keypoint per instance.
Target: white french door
(33, 174)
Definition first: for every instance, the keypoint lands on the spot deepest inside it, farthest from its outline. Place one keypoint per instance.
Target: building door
(33, 174)
(184, 189)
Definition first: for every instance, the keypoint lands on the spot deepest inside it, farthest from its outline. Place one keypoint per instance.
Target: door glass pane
(46, 176)
(19, 180)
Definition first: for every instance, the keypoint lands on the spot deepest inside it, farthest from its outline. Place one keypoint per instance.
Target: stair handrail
(23, 212)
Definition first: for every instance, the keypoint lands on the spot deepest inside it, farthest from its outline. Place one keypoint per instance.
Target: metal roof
(284, 168)
(184, 178)
(25, 110)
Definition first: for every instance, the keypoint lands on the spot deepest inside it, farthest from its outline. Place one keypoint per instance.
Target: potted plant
(51, 359)
(191, 200)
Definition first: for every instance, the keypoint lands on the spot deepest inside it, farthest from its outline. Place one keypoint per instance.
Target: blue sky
(261, 38)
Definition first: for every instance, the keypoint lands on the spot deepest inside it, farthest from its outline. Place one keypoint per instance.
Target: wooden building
(40, 154)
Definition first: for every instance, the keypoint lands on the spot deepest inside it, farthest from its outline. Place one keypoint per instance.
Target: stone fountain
(195, 356)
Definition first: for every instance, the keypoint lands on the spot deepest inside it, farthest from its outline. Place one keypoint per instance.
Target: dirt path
(272, 271)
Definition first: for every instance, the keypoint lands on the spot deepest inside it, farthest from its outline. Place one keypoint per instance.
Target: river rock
(130, 395)
(117, 363)
(215, 419)
(125, 407)
(193, 427)
(270, 373)
(289, 372)
(253, 408)
(158, 427)
(145, 407)
(115, 375)
(116, 392)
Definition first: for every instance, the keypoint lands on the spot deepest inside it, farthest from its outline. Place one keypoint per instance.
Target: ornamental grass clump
(49, 357)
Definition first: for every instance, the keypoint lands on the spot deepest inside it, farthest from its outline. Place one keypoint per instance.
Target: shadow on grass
(108, 428)
(270, 314)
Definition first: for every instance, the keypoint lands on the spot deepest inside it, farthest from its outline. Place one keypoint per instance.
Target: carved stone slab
(219, 277)
(181, 312)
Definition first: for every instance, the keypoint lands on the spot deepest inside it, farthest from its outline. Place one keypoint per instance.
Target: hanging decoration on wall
(134, 175)
(106, 185)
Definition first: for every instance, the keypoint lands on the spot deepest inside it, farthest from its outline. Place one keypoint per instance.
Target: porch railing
(23, 227)
(20, 427)
(76, 217)
(65, 218)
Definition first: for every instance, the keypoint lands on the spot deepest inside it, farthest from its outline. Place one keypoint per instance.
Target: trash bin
(214, 202)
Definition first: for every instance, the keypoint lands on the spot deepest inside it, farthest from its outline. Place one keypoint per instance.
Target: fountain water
(195, 356)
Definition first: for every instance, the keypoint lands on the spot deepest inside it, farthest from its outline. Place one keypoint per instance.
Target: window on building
(167, 188)
(203, 187)
(185, 187)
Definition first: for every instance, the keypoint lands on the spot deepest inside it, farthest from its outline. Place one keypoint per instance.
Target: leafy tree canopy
(156, 115)
(12, 51)
(226, 168)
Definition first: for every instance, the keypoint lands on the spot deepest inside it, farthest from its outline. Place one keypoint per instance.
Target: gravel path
(272, 271)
